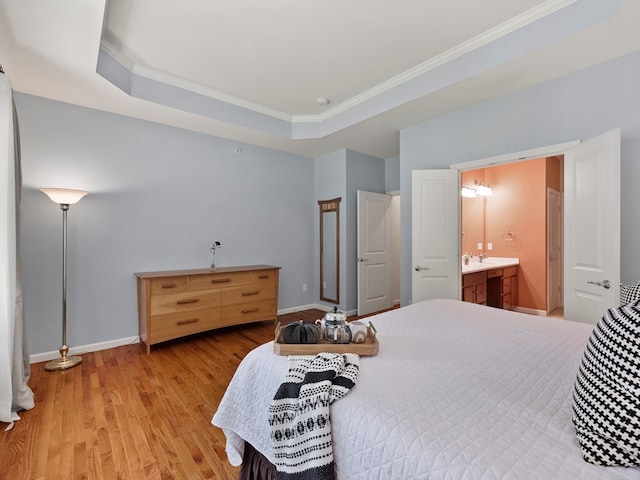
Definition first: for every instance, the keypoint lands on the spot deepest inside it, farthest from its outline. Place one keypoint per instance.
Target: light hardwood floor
(123, 414)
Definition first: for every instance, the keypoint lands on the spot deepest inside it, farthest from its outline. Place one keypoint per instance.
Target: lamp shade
(64, 196)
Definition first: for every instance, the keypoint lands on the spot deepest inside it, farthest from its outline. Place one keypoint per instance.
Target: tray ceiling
(252, 70)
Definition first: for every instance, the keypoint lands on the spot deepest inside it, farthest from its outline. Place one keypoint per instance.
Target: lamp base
(63, 363)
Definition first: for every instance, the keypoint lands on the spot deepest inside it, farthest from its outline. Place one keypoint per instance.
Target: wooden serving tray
(368, 348)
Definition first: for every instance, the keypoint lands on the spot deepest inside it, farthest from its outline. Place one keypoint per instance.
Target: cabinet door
(481, 293)
(514, 291)
(469, 294)
(506, 301)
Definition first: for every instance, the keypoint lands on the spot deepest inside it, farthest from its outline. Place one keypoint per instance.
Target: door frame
(555, 229)
(548, 151)
(524, 155)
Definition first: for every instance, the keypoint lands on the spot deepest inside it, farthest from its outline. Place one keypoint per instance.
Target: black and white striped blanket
(299, 414)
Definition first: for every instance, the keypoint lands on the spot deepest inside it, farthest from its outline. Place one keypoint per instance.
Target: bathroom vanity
(492, 282)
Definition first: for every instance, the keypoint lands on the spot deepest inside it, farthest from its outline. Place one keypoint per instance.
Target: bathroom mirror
(473, 215)
(330, 250)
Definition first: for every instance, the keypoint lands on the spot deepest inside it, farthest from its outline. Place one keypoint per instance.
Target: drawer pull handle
(248, 294)
(221, 280)
(188, 300)
(263, 277)
(250, 310)
(169, 285)
(185, 322)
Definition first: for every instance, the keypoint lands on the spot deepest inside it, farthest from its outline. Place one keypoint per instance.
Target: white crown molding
(150, 73)
(108, 48)
(315, 121)
(183, 83)
(510, 26)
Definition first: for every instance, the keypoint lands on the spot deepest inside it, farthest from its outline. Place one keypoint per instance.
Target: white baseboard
(309, 307)
(94, 347)
(285, 311)
(530, 311)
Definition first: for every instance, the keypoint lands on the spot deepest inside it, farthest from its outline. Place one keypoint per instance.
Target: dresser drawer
(217, 280)
(160, 286)
(249, 312)
(248, 294)
(180, 302)
(175, 325)
(264, 276)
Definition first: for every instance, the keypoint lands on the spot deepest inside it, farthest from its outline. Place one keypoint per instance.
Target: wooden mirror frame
(326, 207)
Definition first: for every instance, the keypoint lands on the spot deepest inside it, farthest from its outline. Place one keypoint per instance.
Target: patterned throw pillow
(606, 395)
(629, 293)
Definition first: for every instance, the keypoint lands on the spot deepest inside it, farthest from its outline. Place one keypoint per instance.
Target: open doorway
(591, 232)
(520, 220)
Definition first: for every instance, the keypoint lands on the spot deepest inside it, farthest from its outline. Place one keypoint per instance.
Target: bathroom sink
(489, 263)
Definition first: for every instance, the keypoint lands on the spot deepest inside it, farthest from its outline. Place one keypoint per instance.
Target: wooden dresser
(173, 304)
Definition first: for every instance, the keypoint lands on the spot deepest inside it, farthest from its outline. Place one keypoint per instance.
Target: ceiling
(252, 70)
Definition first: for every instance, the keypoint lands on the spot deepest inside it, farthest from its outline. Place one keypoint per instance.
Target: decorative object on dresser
(215, 246)
(173, 304)
(64, 197)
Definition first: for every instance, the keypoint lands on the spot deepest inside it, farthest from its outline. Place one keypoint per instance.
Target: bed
(458, 391)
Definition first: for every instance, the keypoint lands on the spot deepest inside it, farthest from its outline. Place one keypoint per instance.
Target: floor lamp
(64, 197)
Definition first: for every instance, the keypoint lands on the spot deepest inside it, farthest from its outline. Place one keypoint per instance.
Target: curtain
(15, 394)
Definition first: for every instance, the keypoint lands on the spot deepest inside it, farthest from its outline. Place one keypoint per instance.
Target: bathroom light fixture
(64, 197)
(479, 188)
(482, 189)
(468, 192)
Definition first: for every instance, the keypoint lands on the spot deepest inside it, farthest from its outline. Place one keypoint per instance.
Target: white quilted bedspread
(456, 392)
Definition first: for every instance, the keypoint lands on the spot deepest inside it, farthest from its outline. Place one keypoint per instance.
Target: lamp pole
(64, 197)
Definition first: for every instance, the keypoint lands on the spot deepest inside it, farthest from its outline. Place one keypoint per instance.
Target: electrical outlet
(479, 245)
(304, 287)
(489, 246)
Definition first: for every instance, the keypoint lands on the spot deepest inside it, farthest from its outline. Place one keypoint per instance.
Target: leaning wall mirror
(330, 250)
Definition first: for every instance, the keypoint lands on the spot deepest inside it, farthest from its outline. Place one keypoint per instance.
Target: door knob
(360, 259)
(419, 268)
(605, 284)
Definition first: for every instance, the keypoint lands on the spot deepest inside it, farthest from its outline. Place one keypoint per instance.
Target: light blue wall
(159, 196)
(363, 173)
(330, 181)
(342, 174)
(392, 174)
(576, 107)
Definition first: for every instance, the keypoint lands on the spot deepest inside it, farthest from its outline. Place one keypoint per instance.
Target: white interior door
(435, 242)
(592, 228)
(554, 250)
(374, 257)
